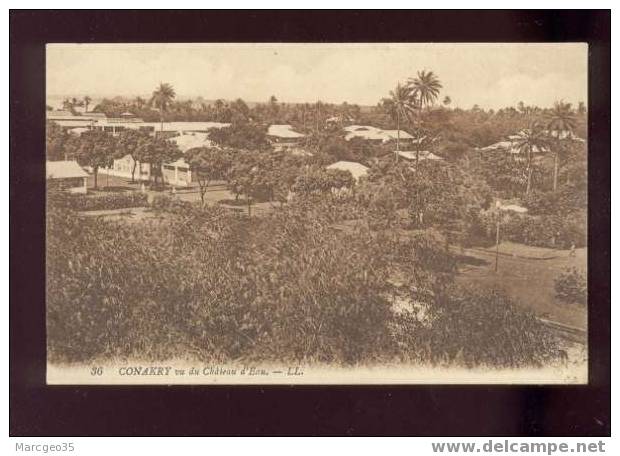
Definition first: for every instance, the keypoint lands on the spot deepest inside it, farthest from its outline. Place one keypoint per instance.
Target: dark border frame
(40, 410)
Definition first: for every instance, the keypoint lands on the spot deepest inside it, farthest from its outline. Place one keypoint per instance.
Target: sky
(489, 75)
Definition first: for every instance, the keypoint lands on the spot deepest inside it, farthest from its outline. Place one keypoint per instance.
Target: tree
(246, 136)
(86, 101)
(129, 142)
(561, 123)
(239, 111)
(447, 101)
(162, 99)
(274, 108)
(424, 89)
(157, 151)
(530, 140)
(317, 181)
(208, 164)
(96, 149)
(56, 141)
(400, 107)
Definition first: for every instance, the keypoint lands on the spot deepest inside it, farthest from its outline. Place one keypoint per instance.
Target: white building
(357, 170)
(376, 135)
(66, 175)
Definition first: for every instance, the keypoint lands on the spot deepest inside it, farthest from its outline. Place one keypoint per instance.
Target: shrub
(102, 202)
(471, 326)
(571, 287)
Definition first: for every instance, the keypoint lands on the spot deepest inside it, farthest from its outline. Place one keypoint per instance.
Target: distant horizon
(98, 97)
(492, 76)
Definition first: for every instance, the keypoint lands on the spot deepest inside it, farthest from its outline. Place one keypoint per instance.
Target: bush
(475, 327)
(571, 287)
(102, 202)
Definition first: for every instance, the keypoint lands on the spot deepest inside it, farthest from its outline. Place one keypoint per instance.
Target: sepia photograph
(316, 213)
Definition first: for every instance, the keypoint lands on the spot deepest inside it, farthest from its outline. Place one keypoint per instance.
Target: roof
(508, 146)
(64, 170)
(513, 208)
(424, 155)
(179, 163)
(373, 133)
(564, 134)
(57, 113)
(283, 131)
(191, 141)
(356, 169)
(80, 121)
(79, 130)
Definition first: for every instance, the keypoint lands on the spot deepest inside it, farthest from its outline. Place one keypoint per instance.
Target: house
(283, 136)
(357, 170)
(187, 141)
(178, 172)
(66, 175)
(376, 135)
(423, 155)
(509, 144)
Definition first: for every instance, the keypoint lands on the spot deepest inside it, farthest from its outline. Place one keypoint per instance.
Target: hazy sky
(490, 75)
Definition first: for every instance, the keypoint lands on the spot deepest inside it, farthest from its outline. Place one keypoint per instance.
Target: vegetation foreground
(220, 287)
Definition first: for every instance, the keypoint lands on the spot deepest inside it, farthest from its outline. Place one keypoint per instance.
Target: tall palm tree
(425, 89)
(400, 107)
(530, 141)
(162, 99)
(561, 123)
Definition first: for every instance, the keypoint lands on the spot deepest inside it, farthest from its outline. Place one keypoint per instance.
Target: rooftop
(283, 131)
(65, 169)
(373, 133)
(191, 141)
(356, 169)
(424, 155)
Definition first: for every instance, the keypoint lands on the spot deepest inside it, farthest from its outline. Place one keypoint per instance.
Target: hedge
(102, 202)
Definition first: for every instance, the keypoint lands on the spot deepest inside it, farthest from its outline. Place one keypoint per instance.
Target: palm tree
(561, 123)
(86, 101)
(400, 107)
(162, 99)
(530, 140)
(425, 89)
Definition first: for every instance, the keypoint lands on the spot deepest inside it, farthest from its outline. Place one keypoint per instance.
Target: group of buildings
(189, 135)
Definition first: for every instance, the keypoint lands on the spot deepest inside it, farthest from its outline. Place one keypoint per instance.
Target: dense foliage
(215, 286)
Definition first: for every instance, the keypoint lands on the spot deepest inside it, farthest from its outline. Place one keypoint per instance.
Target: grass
(530, 281)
